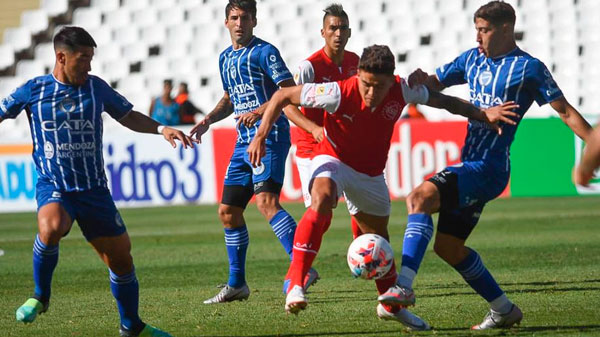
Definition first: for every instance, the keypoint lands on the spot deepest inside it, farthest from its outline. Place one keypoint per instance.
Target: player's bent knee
(230, 216)
(448, 252)
(322, 202)
(52, 229)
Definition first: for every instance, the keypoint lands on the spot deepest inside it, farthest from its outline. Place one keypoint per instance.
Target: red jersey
(358, 135)
(319, 68)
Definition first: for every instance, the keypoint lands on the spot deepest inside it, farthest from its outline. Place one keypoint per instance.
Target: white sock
(406, 277)
(501, 305)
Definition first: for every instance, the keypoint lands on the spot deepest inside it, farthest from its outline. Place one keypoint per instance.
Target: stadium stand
(141, 42)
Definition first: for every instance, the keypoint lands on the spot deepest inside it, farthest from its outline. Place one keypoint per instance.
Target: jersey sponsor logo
(48, 150)
(242, 90)
(239, 107)
(74, 125)
(391, 110)
(76, 146)
(272, 58)
(485, 100)
(67, 105)
(326, 79)
(485, 78)
(350, 118)
(56, 195)
(550, 83)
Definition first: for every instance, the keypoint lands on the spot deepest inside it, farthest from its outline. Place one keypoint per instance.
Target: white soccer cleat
(398, 295)
(403, 316)
(494, 320)
(229, 294)
(295, 301)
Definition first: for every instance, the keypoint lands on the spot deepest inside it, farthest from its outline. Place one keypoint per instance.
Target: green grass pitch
(545, 253)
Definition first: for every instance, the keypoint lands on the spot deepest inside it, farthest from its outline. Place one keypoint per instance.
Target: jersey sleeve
(305, 73)
(13, 104)
(325, 96)
(541, 84)
(455, 72)
(115, 105)
(273, 65)
(417, 95)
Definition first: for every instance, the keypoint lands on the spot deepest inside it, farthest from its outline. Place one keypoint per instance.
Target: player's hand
(256, 150)
(171, 134)
(199, 129)
(501, 113)
(417, 77)
(248, 119)
(318, 134)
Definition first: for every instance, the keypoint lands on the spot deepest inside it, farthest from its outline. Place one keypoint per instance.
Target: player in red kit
(360, 119)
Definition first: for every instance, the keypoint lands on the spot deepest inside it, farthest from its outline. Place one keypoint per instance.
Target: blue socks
(236, 241)
(478, 277)
(125, 289)
(419, 231)
(284, 228)
(45, 258)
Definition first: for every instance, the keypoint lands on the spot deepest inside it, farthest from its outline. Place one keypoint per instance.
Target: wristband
(159, 129)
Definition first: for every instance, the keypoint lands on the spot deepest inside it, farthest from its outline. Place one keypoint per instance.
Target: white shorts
(303, 165)
(363, 193)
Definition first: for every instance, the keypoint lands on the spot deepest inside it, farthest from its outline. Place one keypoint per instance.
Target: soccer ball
(370, 256)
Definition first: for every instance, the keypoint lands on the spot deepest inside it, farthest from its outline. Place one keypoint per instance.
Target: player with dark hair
(361, 114)
(65, 116)
(251, 71)
(497, 71)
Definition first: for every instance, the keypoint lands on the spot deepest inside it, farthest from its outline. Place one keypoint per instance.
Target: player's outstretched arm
(590, 161)
(223, 109)
(139, 122)
(281, 98)
(419, 77)
(572, 118)
(491, 116)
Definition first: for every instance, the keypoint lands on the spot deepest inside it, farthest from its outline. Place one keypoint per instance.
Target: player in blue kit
(64, 110)
(496, 72)
(251, 71)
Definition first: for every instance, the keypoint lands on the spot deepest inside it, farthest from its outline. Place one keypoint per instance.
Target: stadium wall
(143, 170)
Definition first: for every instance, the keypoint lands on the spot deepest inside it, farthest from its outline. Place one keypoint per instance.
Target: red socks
(307, 242)
(356, 232)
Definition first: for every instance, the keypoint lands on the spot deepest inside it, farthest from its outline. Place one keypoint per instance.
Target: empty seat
(114, 70)
(30, 68)
(87, 18)
(171, 16)
(135, 52)
(181, 33)
(126, 35)
(55, 7)
(102, 35)
(117, 18)
(7, 56)
(156, 65)
(153, 35)
(162, 4)
(35, 20)
(44, 52)
(145, 17)
(135, 4)
(18, 38)
(8, 84)
(131, 83)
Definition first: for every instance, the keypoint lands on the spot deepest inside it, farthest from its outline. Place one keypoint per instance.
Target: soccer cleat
(398, 295)
(295, 300)
(229, 294)
(403, 316)
(311, 278)
(147, 331)
(494, 320)
(30, 309)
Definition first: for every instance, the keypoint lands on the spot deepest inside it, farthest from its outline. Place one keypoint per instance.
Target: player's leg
(453, 230)
(421, 203)
(54, 222)
(325, 189)
(369, 204)
(237, 192)
(103, 227)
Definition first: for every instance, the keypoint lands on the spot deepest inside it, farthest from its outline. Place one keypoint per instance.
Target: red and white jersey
(319, 68)
(358, 135)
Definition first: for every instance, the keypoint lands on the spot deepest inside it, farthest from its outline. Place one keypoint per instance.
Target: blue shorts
(464, 189)
(94, 210)
(240, 171)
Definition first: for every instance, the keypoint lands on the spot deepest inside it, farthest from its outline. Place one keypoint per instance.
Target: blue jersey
(251, 75)
(516, 76)
(166, 114)
(66, 128)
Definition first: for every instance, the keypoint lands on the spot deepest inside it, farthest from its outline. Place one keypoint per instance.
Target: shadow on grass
(459, 331)
(517, 284)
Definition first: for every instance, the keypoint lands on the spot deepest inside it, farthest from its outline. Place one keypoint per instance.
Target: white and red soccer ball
(370, 256)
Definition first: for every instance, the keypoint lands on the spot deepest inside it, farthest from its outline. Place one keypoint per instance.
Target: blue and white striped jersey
(66, 128)
(251, 75)
(516, 76)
